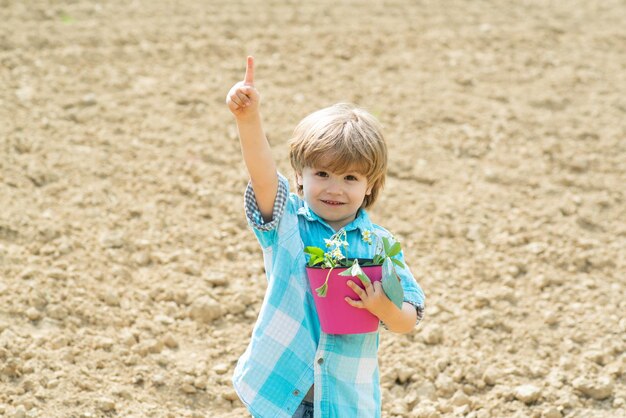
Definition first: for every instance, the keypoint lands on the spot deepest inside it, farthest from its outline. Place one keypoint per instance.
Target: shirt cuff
(253, 214)
(419, 309)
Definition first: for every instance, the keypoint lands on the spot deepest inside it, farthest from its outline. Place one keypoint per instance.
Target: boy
(290, 367)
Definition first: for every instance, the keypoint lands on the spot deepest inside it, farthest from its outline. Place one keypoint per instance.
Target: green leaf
(357, 271)
(322, 290)
(314, 251)
(353, 270)
(391, 284)
(386, 245)
(346, 272)
(394, 250)
(364, 279)
(397, 263)
(378, 260)
(315, 260)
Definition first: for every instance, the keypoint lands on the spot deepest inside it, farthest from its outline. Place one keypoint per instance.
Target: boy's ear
(299, 179)
(369, 190)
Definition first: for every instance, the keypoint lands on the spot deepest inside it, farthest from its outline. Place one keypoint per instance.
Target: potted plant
(329, 271)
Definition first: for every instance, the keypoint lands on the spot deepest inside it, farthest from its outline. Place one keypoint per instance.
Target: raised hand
(243, 98)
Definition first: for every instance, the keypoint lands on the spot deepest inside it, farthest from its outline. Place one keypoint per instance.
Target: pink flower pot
(335, 314)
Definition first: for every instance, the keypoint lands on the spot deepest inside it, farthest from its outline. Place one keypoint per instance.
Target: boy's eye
(321, 174)
(351, 178)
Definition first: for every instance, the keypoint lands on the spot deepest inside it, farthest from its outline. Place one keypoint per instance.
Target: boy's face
(335, 197)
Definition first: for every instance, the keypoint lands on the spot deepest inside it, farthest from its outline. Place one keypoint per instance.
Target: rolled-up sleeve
(413, 293)
(266, 231)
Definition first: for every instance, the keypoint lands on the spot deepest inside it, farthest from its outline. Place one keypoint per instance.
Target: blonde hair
(350, 137)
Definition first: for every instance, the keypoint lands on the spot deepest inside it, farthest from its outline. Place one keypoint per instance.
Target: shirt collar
(361, 222)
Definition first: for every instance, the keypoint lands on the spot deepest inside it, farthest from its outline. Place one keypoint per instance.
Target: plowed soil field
(130, 283)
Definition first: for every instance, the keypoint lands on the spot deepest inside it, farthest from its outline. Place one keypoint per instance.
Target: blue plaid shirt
(288, 352)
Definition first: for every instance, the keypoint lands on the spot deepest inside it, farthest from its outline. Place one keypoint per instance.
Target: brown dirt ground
(129, 283)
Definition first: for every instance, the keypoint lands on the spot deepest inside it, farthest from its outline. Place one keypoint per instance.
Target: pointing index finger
(249, 78)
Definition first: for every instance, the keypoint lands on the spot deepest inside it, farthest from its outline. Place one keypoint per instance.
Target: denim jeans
(305, 410)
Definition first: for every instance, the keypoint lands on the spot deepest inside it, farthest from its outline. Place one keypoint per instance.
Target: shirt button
(320, 361)
(296, 392)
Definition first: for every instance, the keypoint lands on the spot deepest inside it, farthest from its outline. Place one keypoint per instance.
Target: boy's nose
(333, 187)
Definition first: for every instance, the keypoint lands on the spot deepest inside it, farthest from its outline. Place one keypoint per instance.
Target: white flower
(367, 236)
(328, 242)
(337, 254)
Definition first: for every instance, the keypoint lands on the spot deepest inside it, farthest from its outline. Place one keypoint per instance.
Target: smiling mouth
(333, 203)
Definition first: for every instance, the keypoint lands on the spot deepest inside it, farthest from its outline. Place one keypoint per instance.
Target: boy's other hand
(373, 298)
(243, 98)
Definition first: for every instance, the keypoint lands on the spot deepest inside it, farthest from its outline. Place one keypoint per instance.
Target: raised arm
(243, 100)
